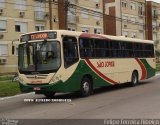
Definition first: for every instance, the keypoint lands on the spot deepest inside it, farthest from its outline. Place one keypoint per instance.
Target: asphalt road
(124, 102)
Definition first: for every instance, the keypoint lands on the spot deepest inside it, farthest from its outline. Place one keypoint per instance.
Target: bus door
(70, 51)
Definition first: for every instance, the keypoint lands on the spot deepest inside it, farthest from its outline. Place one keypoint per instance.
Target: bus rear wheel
(134, 79)
(86, 87)
(49, 94)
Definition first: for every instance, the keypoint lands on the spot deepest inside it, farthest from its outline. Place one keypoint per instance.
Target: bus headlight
(21, 80)
(56, 78)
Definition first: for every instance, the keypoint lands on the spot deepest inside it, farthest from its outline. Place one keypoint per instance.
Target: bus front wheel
(86, 87)
(134, 79)
(49, 94)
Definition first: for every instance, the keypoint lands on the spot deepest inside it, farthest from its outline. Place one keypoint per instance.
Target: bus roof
(100, 36)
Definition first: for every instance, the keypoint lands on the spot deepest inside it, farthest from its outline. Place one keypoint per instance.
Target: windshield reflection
(40, 56)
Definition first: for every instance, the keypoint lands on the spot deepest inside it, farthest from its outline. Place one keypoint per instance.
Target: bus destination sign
(38, 36)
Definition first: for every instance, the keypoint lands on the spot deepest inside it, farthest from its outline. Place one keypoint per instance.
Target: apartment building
(18, 17)
(125, 17)
(153, 22)
(22, 16)
(85, 16)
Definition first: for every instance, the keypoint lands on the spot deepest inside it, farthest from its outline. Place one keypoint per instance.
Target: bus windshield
(39, 57)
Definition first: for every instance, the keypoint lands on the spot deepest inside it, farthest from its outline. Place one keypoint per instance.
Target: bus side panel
(117, 71)
(87, 70)
(113, 71)
(101, 75)
(74, 82)
(150, 67)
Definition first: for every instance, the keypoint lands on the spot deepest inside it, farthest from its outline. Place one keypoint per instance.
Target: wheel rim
(134, 79)
(86, 87)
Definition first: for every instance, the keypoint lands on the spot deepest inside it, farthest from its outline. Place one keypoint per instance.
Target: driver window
(70, 51)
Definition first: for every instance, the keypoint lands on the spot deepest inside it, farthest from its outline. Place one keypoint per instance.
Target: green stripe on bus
(73, 83)
(150, 71)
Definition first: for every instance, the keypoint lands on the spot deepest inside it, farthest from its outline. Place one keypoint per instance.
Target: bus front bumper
(43, 88)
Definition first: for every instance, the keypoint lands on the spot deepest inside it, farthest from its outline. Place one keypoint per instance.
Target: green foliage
(9, 88)
(3, 78)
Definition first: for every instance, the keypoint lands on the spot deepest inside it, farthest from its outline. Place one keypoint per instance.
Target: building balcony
(40, 15)
(73, 1)
(141, 13)
(141, 27)
(125, 25)
(72, 19)
(155, 16)
(155, 28)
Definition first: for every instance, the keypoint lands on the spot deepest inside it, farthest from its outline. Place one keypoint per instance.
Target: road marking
(5, 98)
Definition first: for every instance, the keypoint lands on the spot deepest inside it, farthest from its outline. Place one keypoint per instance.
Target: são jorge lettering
(102, 64)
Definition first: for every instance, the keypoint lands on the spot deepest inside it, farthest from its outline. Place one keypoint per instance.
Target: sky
(158, 1)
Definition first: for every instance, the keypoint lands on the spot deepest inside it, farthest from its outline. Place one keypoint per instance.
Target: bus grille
(40, 76)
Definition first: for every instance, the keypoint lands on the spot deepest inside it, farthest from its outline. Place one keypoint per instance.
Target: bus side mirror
(13, 48)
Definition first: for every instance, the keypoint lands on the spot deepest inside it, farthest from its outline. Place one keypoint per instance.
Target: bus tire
(86, 87)
(49, 95)
(134, 79)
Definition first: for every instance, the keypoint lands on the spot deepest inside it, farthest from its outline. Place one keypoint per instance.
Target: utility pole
(50, 15)
(67, 3)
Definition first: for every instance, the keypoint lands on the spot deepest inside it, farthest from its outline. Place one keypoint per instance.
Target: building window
(97, 31)
(71, 18)
(140, 10)
(39, 5)
(3, 50)
(154, 36)
(154, 13)
(20, 4)
(97, 1)
(141, 35)
(124, 4)
(3, 25)
(21, 27)
(97, 16)
(133, 20)
(133, 6)
(40, 10)
(133, 34)
(125, 33)
(141, 25)
(154, 25)
(71, 29)
(39, 27)
(2, 3)
(84, 13)
(85, 29)
(125, 18)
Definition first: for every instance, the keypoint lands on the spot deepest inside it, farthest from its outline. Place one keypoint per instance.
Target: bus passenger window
(86, 48)
(70, 51)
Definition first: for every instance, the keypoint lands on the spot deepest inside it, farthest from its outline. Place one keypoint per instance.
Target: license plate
(37, 88)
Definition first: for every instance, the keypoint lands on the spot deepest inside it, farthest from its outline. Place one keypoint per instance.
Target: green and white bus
(65, 61)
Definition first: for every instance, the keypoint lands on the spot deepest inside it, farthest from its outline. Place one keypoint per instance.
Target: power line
(101, 15)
